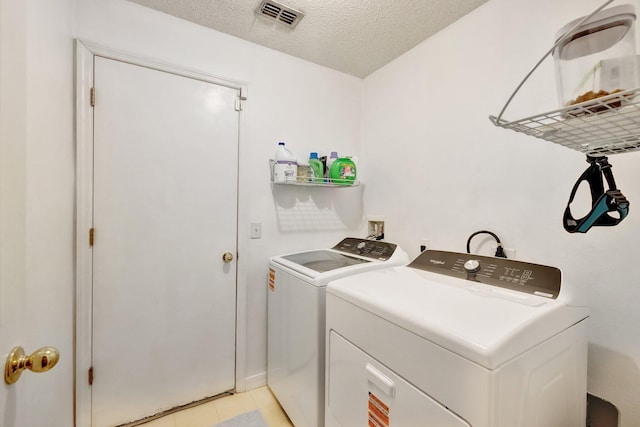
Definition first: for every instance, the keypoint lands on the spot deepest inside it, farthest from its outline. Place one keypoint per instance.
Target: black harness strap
(602, 202)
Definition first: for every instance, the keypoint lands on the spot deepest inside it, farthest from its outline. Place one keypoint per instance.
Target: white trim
(243, 255)
(256, 381)
(85, 53)
(84, 221)
(105, 52)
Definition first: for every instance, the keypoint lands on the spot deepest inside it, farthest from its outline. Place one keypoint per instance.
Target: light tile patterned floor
(207, 414)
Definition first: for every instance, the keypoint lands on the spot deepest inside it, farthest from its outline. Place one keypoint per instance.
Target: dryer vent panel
(279, 13)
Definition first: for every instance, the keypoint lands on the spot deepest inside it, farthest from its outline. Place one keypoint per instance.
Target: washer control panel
(373, 249)
(536, 279)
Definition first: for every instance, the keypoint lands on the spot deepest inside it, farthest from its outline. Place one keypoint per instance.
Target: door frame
(85, 53)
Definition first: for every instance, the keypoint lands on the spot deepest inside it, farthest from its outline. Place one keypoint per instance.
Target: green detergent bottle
(343, 171)
(316, 166)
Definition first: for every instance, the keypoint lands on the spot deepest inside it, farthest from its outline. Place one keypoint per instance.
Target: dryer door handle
(377, 378)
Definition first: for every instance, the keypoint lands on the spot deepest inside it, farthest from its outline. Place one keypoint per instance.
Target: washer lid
(350, 256)
(324, 260)
(485, 324)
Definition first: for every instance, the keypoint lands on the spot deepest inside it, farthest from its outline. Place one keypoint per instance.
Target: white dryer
(296, 319)
(455, 340)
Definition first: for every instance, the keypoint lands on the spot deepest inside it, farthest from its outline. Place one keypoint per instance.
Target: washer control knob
(360, 246)
(472, 266)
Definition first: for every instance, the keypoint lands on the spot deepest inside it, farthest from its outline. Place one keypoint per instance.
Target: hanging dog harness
(602, 202)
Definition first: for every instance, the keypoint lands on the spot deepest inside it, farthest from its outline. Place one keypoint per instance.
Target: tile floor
(210, 413)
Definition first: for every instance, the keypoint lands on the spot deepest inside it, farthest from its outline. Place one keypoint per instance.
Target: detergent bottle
(332, 158)
(286, 167)
(343, 171)
(316, 167)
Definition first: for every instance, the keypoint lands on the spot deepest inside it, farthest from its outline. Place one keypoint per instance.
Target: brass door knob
(227, 257)
(40, 360)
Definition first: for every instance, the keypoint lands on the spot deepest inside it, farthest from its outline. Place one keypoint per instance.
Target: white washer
(455, 340)
(296, 319)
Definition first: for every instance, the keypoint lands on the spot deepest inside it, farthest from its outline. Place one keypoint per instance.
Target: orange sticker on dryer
(272, 280)
(378, 412)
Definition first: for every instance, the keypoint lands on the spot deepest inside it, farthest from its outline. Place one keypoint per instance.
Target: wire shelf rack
(603, 126)
(598, 127)
(306, 182)
(345, 184)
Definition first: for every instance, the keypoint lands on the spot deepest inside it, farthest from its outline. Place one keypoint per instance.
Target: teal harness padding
(602, 202)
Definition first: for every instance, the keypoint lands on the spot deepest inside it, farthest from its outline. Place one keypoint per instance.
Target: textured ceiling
(353, 36)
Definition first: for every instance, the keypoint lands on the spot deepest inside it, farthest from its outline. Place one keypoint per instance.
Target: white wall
(436, 168)
(307, 106)
(36, 200)
(433, 165)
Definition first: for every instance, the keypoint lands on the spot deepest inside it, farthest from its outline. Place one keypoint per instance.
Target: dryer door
(363, 392)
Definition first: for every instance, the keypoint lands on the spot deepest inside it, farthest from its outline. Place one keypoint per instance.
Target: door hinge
(242, 96)
(91, 375)
(92, 97)
(91, 236)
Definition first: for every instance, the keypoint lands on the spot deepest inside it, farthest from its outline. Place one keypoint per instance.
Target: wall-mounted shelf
(318, 184)
(607, 125)
(598, 127)
(305, 183)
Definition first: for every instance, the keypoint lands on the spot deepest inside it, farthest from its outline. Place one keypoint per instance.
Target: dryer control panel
(536, 279)
(373, 249)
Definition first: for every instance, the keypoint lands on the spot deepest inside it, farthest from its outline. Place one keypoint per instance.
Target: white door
(164, 213)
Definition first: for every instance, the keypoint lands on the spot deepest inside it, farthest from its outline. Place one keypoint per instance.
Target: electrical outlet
(510, 253)
(490, 250)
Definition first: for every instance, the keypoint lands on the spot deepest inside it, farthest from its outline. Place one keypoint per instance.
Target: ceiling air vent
(284, 15)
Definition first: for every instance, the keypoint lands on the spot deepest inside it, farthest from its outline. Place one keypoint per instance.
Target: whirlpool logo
(436, 261)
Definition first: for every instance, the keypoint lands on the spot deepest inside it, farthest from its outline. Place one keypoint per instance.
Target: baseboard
(255, 381)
